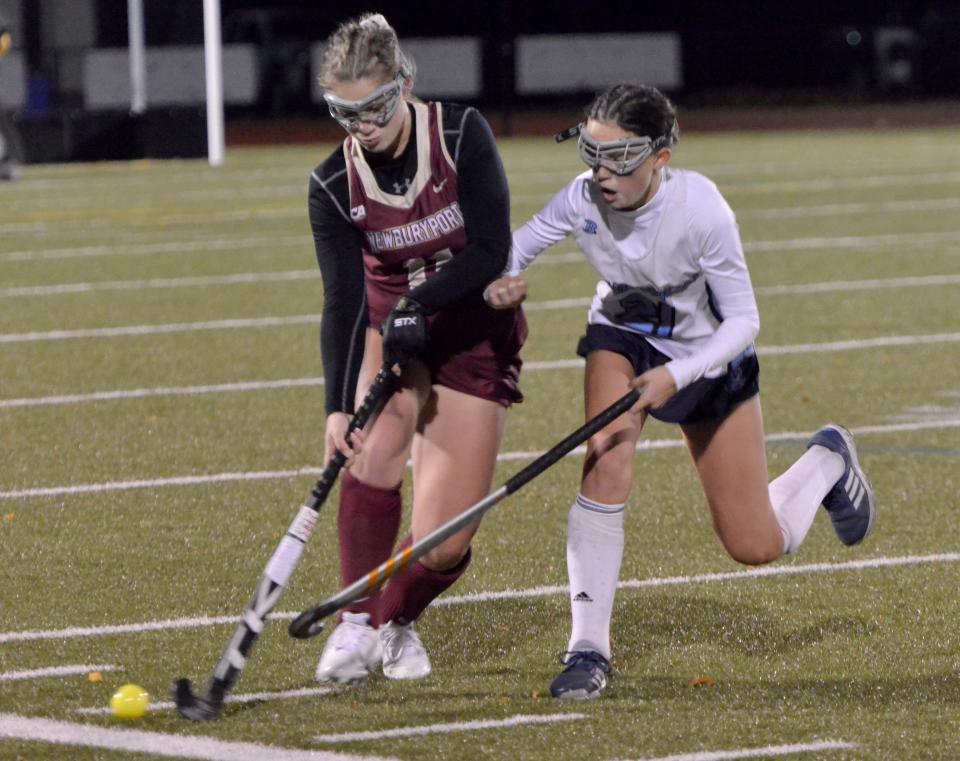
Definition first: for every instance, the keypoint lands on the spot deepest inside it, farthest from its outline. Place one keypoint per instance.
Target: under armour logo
(590, 227)
(583, 597)
(438, 188)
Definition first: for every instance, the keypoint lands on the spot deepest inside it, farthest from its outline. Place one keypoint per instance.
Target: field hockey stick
(277, 573)
(308, 623)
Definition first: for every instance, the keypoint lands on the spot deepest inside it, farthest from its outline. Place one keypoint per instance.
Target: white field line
(83, 668)
(556, 178)
(838, 183)
(134, 192)
(866, 343)
(245, 278)
(156, 483)
(839, 209)
(151, 330)
(242, 323)
(147, 626)
(768, 751)
(456, 726)
(560, 364)
(15, 727)
(103, 175)
(248, 697)
(852, 241)
(775, 213)
(110, 224)
(147, 249)
(832, 286)
(857, 285)
(279, 179)
(134, 200)
(706, 578)
(507, 594)
(271, 242)
(240, 278)
(312, 470)
(141, 393)
(218, 388)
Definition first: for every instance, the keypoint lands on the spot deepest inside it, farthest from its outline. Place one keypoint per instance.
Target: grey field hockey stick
(309, 623)
(277, 573)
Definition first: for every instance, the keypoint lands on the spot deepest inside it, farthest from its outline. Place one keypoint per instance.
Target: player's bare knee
(611, 469)
(751, 550)
(444, 557)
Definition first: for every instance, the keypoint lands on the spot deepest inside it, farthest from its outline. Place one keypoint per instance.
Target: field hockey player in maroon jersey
(410, 218)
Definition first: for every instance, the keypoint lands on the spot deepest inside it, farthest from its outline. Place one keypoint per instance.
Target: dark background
(733, 51)
(761, 64)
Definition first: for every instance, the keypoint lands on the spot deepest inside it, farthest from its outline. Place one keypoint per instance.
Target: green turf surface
(864, 655)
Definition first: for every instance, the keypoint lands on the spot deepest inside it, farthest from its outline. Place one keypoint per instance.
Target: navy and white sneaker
(850, 503)
(584, 678)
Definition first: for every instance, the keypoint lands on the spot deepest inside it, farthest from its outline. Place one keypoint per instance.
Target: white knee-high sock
(796, 494)
(594, 552)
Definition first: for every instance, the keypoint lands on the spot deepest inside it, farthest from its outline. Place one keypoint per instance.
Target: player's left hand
(404, 332)
(506, 292)
(657, 387)
(335, 439)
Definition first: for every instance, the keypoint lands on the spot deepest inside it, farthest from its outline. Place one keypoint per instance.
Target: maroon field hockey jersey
(406, 238)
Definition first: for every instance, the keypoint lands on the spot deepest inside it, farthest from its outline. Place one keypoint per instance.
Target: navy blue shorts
(704, 399)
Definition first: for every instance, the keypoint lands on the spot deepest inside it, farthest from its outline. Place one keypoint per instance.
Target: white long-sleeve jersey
(684, 243)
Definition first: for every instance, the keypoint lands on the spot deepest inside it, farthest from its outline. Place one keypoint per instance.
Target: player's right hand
(657, 387)
(507, 292)
(335, 439)
(404, 332)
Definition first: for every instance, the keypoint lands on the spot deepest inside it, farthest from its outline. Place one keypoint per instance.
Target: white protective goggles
(377, 108)
(622, 157)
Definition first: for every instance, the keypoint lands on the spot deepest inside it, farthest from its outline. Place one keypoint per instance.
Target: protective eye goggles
(622, 157)
(377, 108)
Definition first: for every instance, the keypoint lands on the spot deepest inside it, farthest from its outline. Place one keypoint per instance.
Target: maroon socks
(408, 594)
(367, 522)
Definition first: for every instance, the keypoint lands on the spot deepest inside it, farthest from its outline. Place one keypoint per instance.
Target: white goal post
(213, 66)
(213, 63)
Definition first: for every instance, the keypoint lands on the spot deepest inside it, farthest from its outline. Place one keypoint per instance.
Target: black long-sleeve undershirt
(484, 202)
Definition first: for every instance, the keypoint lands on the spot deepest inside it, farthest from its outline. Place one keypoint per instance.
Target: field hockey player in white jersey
(675, 315)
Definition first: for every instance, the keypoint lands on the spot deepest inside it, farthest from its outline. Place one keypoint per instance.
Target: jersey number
(417, 267)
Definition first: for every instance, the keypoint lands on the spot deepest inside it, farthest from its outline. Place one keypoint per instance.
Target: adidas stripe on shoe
(583, 678)
(851, 502)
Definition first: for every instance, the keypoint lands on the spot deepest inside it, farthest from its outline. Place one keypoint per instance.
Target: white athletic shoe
(351, 651)
(403, 654)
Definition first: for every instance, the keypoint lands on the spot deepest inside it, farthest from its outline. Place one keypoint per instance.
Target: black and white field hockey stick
(275, 577)
(308, 623)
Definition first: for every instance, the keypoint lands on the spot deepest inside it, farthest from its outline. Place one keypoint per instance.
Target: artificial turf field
(161, 420)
